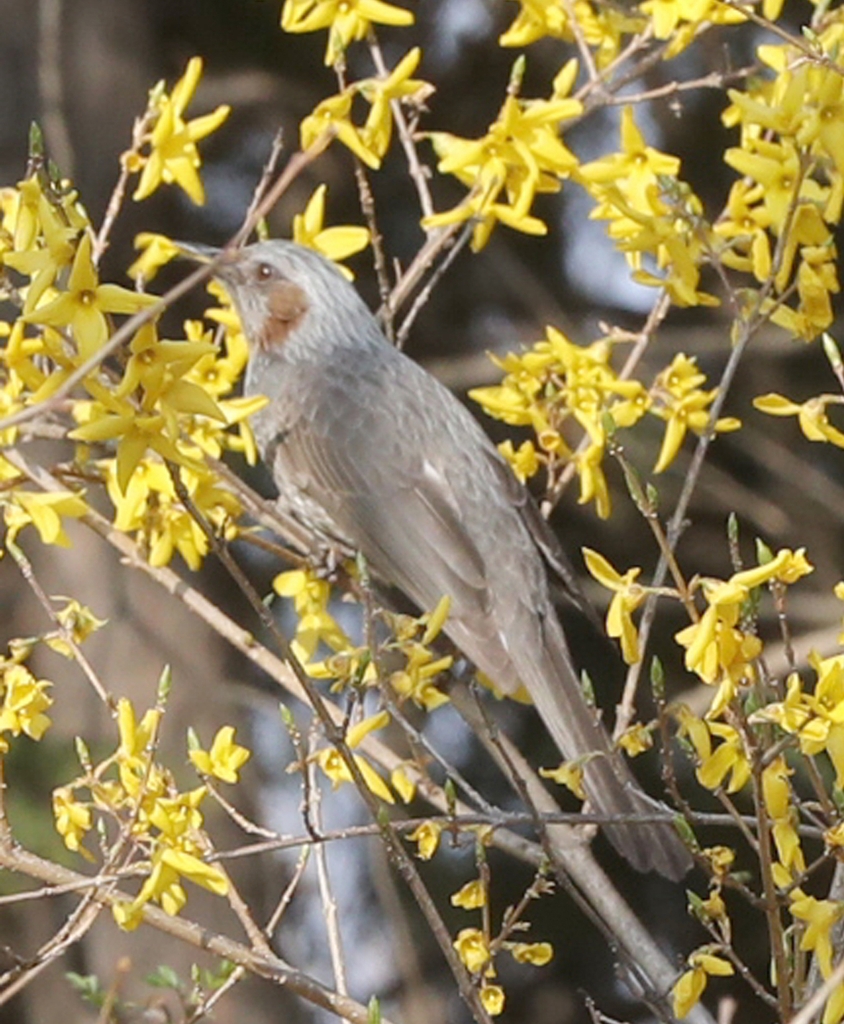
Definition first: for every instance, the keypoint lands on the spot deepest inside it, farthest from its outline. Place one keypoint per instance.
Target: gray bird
(371, 452)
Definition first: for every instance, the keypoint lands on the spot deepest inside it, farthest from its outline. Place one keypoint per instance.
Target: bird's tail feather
(609, 784)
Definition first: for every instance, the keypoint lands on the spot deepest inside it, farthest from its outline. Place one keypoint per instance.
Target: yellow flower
(776, 791)
(173, 156)
(811, 415)
(127, 914)
(311, 597)
(336, 243)
(25, 701)
(568, 774)
(44, 511)
(83, 307)
(346, 20)
(834, 1009)
(669, 15)
(744, 226)
(787, 841)
(650, 212)
(472, 948)
(427, 838)
(717, 650)
(332, 115)
(817, 719)
(417, 679)
(524, 461)
(636, 168)
(714, 907)
(593, 482)
(79, 619)
(684, 406)
(535, 20)
(492, 997)
(73, 820)
(773, 165)
(157, 367)
(721, 859)
(520, 156)
(435, 620)
(137, 434)
(628, 595)
(163, 885)
(820, 916)
(383, 92)
(135, 737)
(691, 412)
(691, 985)
(42, 264)
(334, 765)
(156, 252)
(636, 740)
(218, 373)
(817, 281)
(536, 953)
(224, 759)
(149, 505)
(728, 759)
(403, 784)
(357, 733)
(603, 28)
(178, 818)
(471, 896)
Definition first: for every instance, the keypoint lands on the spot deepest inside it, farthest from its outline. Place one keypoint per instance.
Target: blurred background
(83, 70)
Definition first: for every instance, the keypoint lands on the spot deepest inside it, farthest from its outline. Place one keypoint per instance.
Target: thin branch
(65, 632)
(326, 890)
(425, 293)
(269, 966)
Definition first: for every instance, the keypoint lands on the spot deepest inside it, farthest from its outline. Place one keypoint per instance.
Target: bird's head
(283, 292)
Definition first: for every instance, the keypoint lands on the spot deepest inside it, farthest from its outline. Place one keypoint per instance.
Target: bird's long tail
(609, 784)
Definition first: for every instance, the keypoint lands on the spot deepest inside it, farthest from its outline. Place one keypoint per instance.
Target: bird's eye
(265, 272)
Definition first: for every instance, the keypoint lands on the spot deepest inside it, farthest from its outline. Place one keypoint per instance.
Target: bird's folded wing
(409, 526)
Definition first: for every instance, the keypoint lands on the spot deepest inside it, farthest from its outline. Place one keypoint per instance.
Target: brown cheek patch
(287, 304)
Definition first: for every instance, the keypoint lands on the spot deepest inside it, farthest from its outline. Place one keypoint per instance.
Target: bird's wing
(556, 560)
(543, 536)
(404, 517)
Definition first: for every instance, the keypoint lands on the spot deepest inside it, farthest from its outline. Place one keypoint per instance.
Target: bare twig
(65, 633)
(270, 967)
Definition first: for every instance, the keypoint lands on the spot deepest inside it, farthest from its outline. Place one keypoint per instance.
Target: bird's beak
(196, 252)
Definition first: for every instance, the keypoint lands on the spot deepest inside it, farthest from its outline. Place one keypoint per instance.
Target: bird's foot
(328, 561)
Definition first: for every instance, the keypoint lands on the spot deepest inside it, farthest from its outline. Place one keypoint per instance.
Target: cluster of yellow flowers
(791, 191)
(154, 827)
(724, 651)
(603, 26)
(478, 948)
(652, 215)
(370, 141)
(520, 156)
(346, 20)
(556, 385)
(24, 700)
(408, 641)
